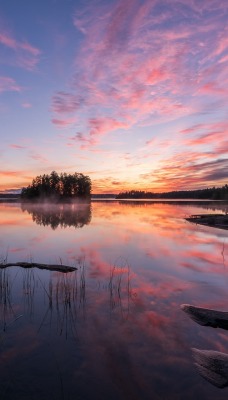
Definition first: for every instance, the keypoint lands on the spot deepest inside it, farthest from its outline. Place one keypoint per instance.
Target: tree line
(58, 187)
(219, 193)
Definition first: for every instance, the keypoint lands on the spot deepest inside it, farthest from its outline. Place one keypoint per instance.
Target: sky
(132, 93)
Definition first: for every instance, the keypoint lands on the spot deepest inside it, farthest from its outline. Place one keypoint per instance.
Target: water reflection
(115, 330)
(59, 215)
(64, 294)
(60, 307)
(6, 310)
(204, 204)
(211, 365)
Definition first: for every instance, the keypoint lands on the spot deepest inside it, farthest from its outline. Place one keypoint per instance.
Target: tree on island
(58, 187)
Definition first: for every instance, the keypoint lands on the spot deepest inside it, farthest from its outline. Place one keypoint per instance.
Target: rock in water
(212, 366)
(206, 316)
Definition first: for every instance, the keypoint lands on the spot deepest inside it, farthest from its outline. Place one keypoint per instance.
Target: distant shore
(109, 197)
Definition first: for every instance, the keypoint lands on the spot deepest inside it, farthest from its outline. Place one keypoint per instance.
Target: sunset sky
(132, 93)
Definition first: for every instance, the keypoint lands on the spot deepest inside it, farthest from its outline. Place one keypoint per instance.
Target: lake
(114, 329)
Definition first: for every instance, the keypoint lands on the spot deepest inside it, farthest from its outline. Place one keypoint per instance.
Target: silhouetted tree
(58, 187)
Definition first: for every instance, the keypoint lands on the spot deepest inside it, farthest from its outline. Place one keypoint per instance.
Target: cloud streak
(146, 54)
(24, 54)
(8, 84)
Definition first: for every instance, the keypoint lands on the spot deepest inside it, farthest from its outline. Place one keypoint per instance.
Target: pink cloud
(26, 55)
(100, 126)
(17, 146)
(17, 249)
(14, 178)
(206, 139)
(26, 105)
(153, 66)
(9, 41)
(222, 45)
(193, 128)
(30, 49)
(9, 173)
(188, 170)
(129, 74)
(156, 75)
(63, 123)
(224, 59)
(118, 27)
(211, 135)
(221, 148)
(85, 141)
(63, 102)
(212, 88)
(215, 126)
(8, 84)
(38, 157)
(151, 142)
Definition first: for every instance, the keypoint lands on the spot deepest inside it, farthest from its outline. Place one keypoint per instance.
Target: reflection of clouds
(16, 249)
(191, 266)
(144, 338)
(27, 341)
(11, 222)
(204, 257)
(98, 266)
(159, 232)
(9, 215)
(213, 259)
(38, 239)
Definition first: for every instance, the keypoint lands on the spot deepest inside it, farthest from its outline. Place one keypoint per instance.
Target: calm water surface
(114, 328)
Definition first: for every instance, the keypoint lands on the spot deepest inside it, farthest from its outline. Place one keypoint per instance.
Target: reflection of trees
(205, 204)
(63, 215)
(6, 310)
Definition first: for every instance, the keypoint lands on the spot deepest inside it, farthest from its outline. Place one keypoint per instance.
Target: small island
(58, 188)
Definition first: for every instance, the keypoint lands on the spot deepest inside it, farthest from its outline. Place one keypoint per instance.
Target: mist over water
(114, 328)
(59, 215)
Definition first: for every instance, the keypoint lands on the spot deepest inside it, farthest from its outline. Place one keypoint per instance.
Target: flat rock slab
(206, 316)
(50, 267)
(213, 220)
(212, 366)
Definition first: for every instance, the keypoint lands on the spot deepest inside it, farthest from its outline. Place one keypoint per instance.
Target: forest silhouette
(58, 187)
(220, 193)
